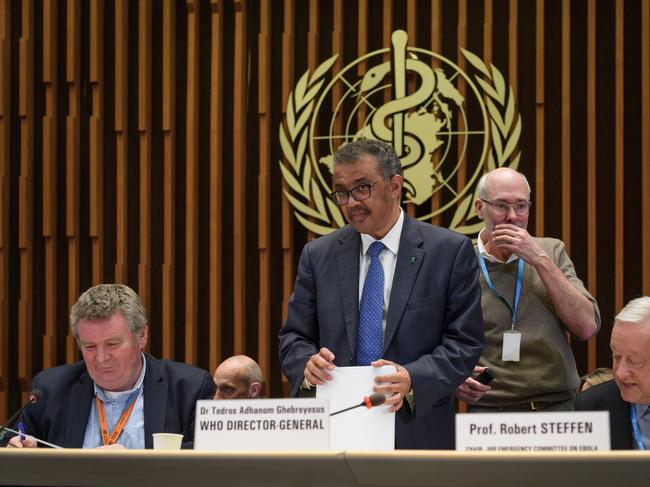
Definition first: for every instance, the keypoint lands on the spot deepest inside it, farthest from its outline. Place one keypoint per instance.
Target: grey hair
(102, 301)
(482, 192)
(636, 311)
(387, 160)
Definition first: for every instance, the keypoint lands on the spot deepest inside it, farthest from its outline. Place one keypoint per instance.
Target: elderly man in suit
(386, 289)
(627, 397)
(117, 396)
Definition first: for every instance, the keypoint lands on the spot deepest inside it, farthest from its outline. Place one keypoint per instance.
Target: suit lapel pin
(413, 259)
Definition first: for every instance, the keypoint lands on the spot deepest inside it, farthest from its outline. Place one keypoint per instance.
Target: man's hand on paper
(318, 365)
(393, 386)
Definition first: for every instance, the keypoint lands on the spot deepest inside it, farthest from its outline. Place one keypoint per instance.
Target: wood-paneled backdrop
(139, 143)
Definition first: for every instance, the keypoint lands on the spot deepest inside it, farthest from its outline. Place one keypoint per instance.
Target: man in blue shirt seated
(118, 396)
(627, 397)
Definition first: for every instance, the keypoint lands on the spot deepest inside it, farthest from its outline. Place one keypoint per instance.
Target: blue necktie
(369, 339)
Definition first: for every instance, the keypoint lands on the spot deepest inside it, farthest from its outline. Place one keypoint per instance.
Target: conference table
(94, 468)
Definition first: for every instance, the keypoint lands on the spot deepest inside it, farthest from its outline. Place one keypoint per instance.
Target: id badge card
(511, 346)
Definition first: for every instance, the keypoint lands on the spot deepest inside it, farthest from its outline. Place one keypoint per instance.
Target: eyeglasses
(501, 208)
(359, 193)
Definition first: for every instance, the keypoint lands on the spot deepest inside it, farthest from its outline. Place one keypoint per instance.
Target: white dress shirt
(388, 259)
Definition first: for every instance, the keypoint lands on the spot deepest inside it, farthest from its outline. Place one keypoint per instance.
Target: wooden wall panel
(5, 177)
(50, 163)
(436, 46)
(145, 90)
(566, 125)
(461, 86)
(73, 159)
(169, 135)
(513, 53)
(538, 188)
(264, 205)
(26, 302)
(362, 48)
(592, 196)
(619, 152)
(96, 139)
(121, 106)
(192, 183)
(139, 142)
(240, 172)
(216, 185)
(645, 138)
(288, 79)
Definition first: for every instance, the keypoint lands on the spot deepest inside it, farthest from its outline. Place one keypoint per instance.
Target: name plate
(536, 432)
(262, 424)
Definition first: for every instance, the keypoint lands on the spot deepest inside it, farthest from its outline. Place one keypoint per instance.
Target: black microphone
(32, 398)
(368, 402)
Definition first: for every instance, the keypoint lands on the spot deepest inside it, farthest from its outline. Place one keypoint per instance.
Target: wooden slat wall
(124, 123)
(436, 46)
(50, 163)
(26, 195)
(192, 182)
(240, 171)
(592, 217)
(5, 176)
(216, 185)
(619, 162)
(566, 125)
(287, 223)
(73, 159)
(121, 105)
(645, 137)
(145, 141)
(539, 119)
(96, 142)
(169, 171)
(265, 326)
(461, 85)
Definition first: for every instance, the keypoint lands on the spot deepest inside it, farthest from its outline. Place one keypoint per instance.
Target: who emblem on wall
(413, 102)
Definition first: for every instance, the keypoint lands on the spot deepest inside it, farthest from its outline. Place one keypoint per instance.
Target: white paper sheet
(360, 428)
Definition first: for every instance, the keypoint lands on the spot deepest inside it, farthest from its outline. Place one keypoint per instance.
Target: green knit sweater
(546, 370)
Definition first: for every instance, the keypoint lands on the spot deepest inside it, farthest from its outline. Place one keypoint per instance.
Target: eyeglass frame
(348, 193)
(508, 206)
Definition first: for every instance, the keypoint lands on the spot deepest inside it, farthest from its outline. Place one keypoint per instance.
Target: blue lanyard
(636, 428)
(520, 279)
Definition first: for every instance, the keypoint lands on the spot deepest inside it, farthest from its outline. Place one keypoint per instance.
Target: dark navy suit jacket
(171, 390)
(434, 323)
(607, 397)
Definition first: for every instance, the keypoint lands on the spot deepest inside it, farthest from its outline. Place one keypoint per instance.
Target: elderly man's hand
(471, 390)
(393, 386)
(16, 442)
(318, 365)
(517, 240)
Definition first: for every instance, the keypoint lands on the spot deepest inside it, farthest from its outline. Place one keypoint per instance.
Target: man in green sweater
(530, 297)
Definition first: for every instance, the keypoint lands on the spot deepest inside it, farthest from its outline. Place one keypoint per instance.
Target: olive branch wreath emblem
(316, 212)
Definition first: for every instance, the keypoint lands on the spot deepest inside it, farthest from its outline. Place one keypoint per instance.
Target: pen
(21, 429)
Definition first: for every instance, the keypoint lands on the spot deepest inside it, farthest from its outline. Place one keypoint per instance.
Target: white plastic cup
(167, 441)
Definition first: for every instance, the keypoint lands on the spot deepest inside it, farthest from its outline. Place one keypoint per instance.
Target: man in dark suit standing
(118, 396)
(386, 290)
(627, 397)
